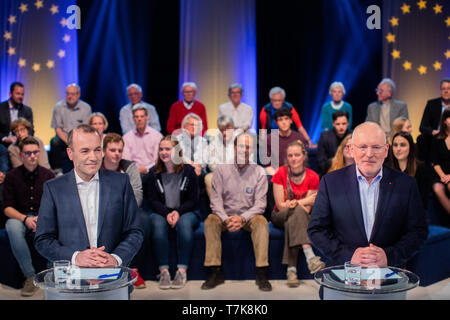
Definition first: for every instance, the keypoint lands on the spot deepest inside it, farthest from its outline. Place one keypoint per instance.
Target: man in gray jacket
(386, 110)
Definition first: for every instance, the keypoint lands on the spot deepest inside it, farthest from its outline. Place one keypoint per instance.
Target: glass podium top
(373, 280)
(85, 280)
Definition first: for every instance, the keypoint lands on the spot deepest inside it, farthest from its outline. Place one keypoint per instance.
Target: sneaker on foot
(164, 280)
(179, 281)
(315, 264)
(140, 283)
(292, 279)
(28, 288)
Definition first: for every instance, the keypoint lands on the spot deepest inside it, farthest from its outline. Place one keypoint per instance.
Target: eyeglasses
(18, 130)
(375, 149)
(29, 153)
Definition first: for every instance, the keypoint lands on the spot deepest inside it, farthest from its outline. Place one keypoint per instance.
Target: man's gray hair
(337, 84)
(136, 86)
(390, 83)
(369, 123)
(235, 85)
(74, 85)
(276, 90)
(225, 121)
(196, 117)
(139, 106)
(190, 84)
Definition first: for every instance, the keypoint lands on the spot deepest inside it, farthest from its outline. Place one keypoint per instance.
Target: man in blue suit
(367, 213)
(88, 215)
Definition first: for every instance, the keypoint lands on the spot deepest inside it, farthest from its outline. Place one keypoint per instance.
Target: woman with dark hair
(440, 160)
(295, 189)
(402, 156)
(172, 192)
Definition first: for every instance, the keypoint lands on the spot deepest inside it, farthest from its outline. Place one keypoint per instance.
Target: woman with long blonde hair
(343, 157)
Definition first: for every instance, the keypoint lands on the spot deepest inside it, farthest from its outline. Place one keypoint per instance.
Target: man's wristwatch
(26, 217)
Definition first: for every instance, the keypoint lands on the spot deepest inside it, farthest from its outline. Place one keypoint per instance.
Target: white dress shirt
(242, 115)
(89, 198)
(188, 105)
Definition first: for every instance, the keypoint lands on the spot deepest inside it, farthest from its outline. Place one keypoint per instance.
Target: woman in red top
(295, 189)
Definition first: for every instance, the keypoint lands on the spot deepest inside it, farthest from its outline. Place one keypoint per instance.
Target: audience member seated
(402, 156)
(112, 160)
(134, 93)
(173, 195)
(401, 124)
(386, 110)
(343, 155)
(142, 143)
(294, 189)
(99, 122)
(277, 97)
(440, 160)
(337, 92)
(11, 110)
(281, 137)
(67, 115)
(22, 194)
(21, 129)
(429, 125)
(188, 104)
(221, 148)
(238, 201)
(239, 112)
(330, 140)
(194, 146)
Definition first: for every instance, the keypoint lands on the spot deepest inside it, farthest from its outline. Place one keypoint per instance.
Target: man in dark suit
(88, 215)
(10, 110)
(429, 125)
(367, 213)
(330, 140)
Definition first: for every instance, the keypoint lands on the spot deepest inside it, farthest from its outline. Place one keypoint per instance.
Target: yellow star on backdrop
(23, 7)
(39, 4)
(395, 54)
(447, 54)
(61, 54)
(437, 9)
(66, 38)
(447, 21)
(63, 22)
(12, 19)
(7, 35)
(22, 63)
(422, 70)
(36, 67)
(422, 4)
(50, 64)
(54, 9)
(405, 8)
(394, 21)
(407, 65)
(390, 37)
(437, 65)
(11, 51)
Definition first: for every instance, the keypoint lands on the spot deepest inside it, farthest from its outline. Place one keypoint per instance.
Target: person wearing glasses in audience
(343, 155)
(22, 194)
(21, 128)
(368, 213)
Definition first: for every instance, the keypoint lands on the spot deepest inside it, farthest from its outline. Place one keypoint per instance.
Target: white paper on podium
(370, 273)
(95, 273)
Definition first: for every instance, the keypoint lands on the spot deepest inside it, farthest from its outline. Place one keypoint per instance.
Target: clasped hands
(233, 223)
(95, 257)
(370, 256)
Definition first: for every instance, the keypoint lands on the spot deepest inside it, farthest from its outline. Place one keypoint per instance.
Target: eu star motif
(394, 21)
(422, 70)
(422, 4)
(395, 54)
(437, 65)
(54, 9)
(447, 21)
(12, 19)
(66, 38)
(405, 8)
(407, 65)
(11, 51)
(36, 67)
(50, 64)
(22, 63)
(63, 22)
(61, 53)
(23, 7)
(437, 9)
(7, 35)
(390, 37)
(39, 4)
(447, 54)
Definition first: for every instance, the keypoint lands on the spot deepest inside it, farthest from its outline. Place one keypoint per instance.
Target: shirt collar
(11, 106)
(76, 107)
(376, 179)
(81, 181)
(30, 174)
(147, 131)
(188, 105)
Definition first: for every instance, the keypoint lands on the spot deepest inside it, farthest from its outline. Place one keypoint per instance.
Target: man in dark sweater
(22, 194)
(330, 140)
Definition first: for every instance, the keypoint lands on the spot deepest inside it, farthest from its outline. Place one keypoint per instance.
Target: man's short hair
(224, 121)
(15, 84)
(139, 106)
(190, 84)
(339, 113)
(337, 84)
(282, 112)
(85, 128)
(26, 141)
(276, 90)
(444, 80)
(233, 86)
(112, 138)
(136, 86)
(20, 122)
(74, 85)
(390, 82)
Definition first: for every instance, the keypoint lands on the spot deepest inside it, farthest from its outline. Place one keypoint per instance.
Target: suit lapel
(77, 209)
(104, 191)
(386, 188)
(354, 199)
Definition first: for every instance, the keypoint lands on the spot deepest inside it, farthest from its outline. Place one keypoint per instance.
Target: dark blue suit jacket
(61, 228)
(336, 227)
